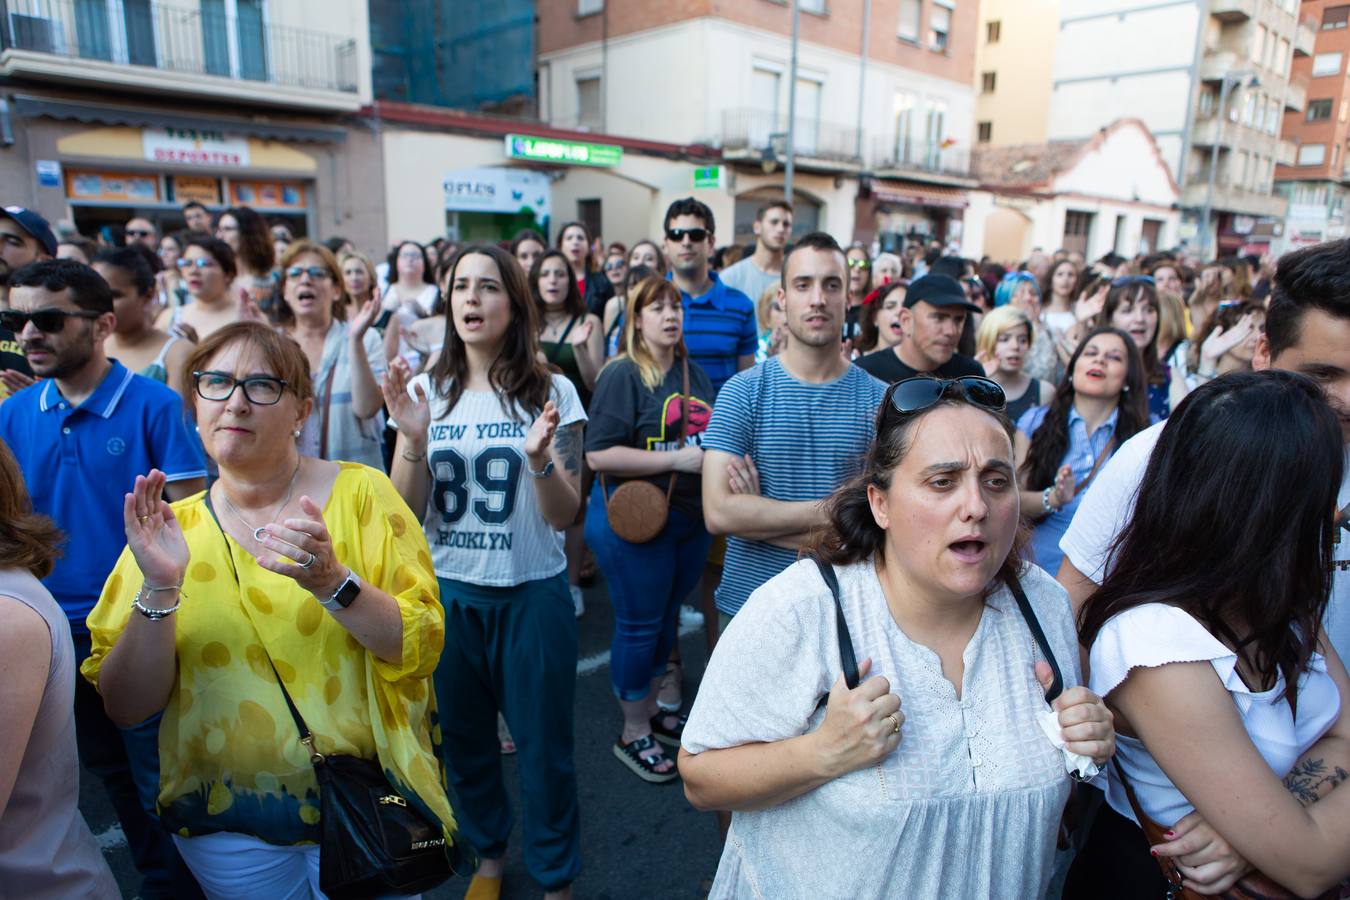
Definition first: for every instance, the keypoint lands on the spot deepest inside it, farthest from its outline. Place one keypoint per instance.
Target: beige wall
(1024, 61)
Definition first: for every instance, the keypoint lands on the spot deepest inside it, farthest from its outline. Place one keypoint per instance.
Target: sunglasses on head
(314, 272)
(1132, 279)
(48, 321)
(915, 394)
(677, 235)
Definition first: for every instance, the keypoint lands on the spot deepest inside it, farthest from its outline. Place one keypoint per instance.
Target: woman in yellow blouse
(315, 568)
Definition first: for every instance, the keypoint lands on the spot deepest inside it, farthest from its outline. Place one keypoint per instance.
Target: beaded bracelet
(155, 615)
(1045, 501)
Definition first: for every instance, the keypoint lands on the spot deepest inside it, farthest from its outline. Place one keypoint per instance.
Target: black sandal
(637, 756)
(668, 736)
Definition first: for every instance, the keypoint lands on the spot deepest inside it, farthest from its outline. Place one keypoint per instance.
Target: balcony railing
(760, 130)
(200, 40)
(1296, 96)
(1305, 37)
(920, 156)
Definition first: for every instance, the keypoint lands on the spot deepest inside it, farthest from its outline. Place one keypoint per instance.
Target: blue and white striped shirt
(806, 440)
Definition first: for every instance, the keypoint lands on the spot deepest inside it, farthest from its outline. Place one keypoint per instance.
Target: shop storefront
(902, 212)
(493, 203)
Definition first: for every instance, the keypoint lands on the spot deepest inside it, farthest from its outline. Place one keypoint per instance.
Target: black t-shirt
(886, 365)
(624, 412)
(11, 357)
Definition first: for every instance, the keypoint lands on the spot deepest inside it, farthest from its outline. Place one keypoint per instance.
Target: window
(590, 8)
(984, 132)
(1208, 100)
(935, 132)
(588, 211)
(1077, 230)
(993, 31)
(987, 82)
(806, 131)
(940, 25)
(1312, 154)
(764, 91)
(1282, 64)
(1273, 116)
(910, 13)
(1326, 64)
(1319, 110)
(1249, 108)
(588, 102)
(1259, 45)
(812, 6)
(904, 128)
(1334, 17)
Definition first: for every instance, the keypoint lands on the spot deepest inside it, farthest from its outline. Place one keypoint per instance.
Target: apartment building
(1315, 184)
(1014, 67)
(884, 108)
(1210, 79)
(117, 108)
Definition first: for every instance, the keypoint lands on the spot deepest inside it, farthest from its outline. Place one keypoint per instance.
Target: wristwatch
(543, 473)
(345, 593)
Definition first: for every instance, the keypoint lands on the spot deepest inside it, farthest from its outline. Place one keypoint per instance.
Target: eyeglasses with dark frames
(260, 390)
(316, 273)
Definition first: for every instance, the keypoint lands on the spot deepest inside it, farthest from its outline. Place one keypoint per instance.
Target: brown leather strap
(1101, 458)
(684, 421)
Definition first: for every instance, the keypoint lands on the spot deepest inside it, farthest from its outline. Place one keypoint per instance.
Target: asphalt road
(637, 839)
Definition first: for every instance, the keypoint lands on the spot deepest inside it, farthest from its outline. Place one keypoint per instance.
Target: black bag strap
(1034, 624)
(556, 350)
(850, 662)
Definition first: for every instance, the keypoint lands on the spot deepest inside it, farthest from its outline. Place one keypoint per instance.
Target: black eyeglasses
(1132, 279)
(915, 394)
(314, 272)
(677, 235)
(260, 390)
(48, 321)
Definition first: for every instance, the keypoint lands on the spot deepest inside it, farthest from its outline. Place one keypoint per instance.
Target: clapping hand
(540, 436)
(1065, 486)
(153, 533)
(413, 415)
(581, 333)
(302, 550)
(365, 317)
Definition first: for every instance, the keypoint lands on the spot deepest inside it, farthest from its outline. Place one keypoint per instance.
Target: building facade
(1315, 184)
(130, 108)
(1014, 68)
(1210, 79)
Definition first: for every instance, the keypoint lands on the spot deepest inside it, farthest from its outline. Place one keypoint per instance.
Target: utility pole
(788, 169)
(862, 76)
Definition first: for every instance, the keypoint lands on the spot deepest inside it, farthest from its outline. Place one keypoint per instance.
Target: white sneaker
(690, 617)
(578, 601)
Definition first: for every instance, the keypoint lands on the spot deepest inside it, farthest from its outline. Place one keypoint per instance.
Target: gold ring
(894, 722)
(142, 518)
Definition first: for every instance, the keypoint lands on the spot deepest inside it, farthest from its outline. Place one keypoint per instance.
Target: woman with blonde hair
(648, 414)
(1002, 342)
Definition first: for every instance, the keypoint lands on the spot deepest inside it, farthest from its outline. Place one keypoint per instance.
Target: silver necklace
(258, 532)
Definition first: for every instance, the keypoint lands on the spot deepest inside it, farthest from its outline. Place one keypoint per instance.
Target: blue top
(1082, 456)
(806, 440)
(719, 327)
(79, 462)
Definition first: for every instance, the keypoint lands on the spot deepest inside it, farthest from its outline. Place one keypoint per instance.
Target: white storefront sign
(191, 147)
(498, 190)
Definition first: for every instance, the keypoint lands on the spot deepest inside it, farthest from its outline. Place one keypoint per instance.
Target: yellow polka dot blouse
(230, 754)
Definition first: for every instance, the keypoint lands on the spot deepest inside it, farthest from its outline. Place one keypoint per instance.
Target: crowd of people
(1011, 576)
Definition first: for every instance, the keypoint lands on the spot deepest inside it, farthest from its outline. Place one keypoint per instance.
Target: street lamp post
(1247, 78)
(789, 168)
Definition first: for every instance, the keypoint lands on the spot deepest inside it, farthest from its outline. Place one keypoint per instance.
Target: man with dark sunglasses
(81, 435)
(24, 237)
(719, 321)
(141, 230)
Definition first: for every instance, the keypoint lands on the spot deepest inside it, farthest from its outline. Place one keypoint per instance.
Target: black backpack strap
(845, 639)
(1029, 614)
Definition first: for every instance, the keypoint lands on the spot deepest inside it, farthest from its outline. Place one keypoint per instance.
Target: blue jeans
(646, 584)
(512, 649)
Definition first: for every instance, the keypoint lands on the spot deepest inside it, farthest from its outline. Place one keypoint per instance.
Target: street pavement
(637, 839)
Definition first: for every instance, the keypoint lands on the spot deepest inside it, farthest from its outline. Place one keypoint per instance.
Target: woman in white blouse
(1206, 641)
(831, 796)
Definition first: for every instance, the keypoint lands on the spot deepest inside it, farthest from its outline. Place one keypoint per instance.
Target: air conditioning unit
(35, 33)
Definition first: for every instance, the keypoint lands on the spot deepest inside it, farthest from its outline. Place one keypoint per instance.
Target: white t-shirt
(1107, 508)
(1156, 634)
(482, 519)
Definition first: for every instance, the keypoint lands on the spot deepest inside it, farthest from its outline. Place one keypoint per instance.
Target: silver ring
(310, 562)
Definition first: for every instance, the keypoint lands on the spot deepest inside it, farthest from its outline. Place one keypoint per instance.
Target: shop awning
(917, 193)
(97, 113)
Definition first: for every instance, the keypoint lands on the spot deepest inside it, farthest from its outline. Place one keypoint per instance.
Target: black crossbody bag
(373, 842)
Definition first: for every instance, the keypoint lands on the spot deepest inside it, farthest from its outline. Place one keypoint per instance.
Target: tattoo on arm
(1311, 780)
(568, 443)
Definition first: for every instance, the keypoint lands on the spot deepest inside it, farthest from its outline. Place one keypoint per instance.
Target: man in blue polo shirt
(82, 434)
(719, 321)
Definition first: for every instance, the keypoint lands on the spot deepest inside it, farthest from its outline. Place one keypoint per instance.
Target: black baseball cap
(938, 290)
(36, 226)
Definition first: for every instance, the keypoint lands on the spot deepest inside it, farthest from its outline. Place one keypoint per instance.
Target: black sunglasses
(914, 394)
(139, 233)
(677, 235)
(48, 321)
(314, 272)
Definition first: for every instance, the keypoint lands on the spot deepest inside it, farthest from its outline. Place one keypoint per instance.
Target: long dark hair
(573, 303)
(1051, 440)
(1135, 290)
(587, 264)
(853, 534)
(1258, 578)
(255, 239)
(516, 374)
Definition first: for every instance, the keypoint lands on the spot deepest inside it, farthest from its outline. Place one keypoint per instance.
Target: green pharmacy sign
(708, 177)
(578, 153)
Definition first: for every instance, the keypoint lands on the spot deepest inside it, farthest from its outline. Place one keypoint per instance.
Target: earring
(1124, 390)
(296, 432)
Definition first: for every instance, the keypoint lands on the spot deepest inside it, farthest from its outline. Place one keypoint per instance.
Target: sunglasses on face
(915, 394)
(260, 390)
(1132, 279)
(48, 321)
(315, 273)
(677, 235)
(200, 262)
(138, 233)
(859, 264)
(614, 266)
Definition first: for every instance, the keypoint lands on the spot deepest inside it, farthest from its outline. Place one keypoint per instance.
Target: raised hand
(861, 725)
(540, 436)
(1084, 721)
(1088, 307)
(1065, 486)
(302, 550)
(1221, 340)
(581, 333)
(365, 317)
(153, 533)
(413, 414)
